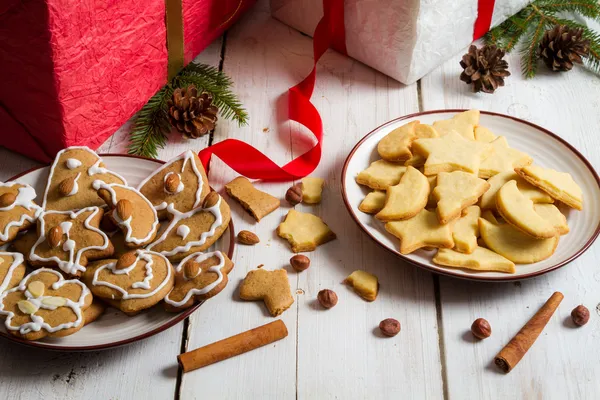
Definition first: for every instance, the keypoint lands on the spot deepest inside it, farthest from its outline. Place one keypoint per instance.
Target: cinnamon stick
(512, 353)
(232, 346)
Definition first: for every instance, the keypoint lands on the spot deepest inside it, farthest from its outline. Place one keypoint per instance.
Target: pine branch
(587, 8)
(529, 52)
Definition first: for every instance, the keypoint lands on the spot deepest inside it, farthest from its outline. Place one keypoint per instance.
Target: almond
(211, 199)
(55, 236)
(247, 237)
(192, 269)
(66, 186)
(54, 301)
(172, 182)
(105, 195)
(36, 288)
(127, 260)
(124, 209)
(7, 199)
(27, 307)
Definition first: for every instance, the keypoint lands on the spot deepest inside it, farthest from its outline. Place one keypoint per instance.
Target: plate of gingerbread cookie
(473, 194)
(99, 252)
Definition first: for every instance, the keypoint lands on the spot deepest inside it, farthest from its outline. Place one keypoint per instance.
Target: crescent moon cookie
(559, 185)
(71, 177)
(373, 202)
(395, 146)
(17, 210)
(12, 270)
(407, 198)
(130, 211)
(455, 191)
(199, 277)
(180, 184)
(45, 304)
(195, 230)
(488, 199)
(69, 239)
(136, 281)
(381, 174)
(463, 123)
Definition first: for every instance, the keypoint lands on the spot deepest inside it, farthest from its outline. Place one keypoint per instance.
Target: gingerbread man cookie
(12, 270)
(45, 304)
(199, 277)
(17, 209)
(71, 177)
(138, 280)
(181, 185)
(69, 239)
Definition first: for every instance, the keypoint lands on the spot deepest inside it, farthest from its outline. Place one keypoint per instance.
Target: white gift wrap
(404, 39)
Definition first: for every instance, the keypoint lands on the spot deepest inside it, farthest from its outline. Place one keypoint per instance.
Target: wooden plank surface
(563, 363)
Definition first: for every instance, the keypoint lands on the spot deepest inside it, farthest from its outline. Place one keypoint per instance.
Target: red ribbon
(485, 9)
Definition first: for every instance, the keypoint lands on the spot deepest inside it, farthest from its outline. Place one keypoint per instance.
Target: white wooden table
(338, 353)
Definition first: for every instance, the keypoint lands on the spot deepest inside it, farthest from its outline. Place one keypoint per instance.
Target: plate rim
(451, 272)
(179, 318)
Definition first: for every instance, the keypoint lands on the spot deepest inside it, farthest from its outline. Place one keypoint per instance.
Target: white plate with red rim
(114, 328)
(546, 148)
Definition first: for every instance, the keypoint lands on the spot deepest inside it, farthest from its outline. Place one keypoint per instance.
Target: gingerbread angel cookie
(17, 209)
(199, 276)
(130, 211)
(180, 185)
(195, 230)
(45, 304)
(71, 177)
(68, 239)
(138, 280)
(12, 270)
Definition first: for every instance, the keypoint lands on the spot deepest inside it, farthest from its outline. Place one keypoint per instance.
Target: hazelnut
(300, 262)
(124, 209)
(389, 327)
(481, 329)
(7, 199)
(580, 315)
(294, 194)
(327, 298)
(211, 199)
(247, 237)
(55, 236)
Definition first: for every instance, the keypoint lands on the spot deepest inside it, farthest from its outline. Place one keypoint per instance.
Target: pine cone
(562, 46)
(192, 115)
(484, 68)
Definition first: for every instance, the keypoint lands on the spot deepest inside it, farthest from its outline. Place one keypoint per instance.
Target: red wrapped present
(72, 72)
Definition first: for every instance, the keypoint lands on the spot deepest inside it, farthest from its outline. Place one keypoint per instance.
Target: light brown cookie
(480, 259)
(272, 287)
(69, 239)
(465, 230)
(407, 198)
(395, 146)
(422, 230)
(312, 189)
(381, 174)
(12, 269)
(373, 202)
(71, 176)
(195, 230)
(198, 277)
(180, 184)
(455, 191)
(94, 311)
(136, 281)
(130, 211)
(24, 242)
(304, 231)
(488, 199)
(45, 304)
(463, 123)
(366, 285)
(17, 210)
(257, 203)
(559, 185)
(502, 159)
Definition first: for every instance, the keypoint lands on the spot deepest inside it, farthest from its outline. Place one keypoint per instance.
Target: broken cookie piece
(256, 202)
(312, 189)
(366, 285)
(273, 287)
(304, 231)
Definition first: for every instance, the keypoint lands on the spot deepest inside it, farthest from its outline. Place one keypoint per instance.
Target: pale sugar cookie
(480, 259)
(483, 134)
(422, 230)
(502, 158)
(553, 215)
(395, 146)
(381, 174)
(312, 189)
(407, 198)
(304, 231)
(463, 123)
(488, 199)
(559, 185)
(455, 191)
(373, 202)
(465, 230)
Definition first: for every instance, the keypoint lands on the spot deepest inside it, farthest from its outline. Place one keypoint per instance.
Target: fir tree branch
(529, 51)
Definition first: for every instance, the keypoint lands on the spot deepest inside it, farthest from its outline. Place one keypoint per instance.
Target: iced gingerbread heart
(17, 209)
(69, 239)
(45, 304)
(71, 177)
(179, 185)
(12, 270)
(138, 280)
(195, 230)
(199, 276)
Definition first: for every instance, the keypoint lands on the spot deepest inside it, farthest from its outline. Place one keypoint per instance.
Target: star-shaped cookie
(502, 159)
(463, 123)
(422, 230)
(455, 191)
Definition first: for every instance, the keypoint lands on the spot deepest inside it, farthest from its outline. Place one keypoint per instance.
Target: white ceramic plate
(114, 328)
(547, 150)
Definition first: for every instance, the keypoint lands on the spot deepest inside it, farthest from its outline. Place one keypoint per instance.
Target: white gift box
(404, 39)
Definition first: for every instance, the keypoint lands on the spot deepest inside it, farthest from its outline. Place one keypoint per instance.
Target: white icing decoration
(178, 216)
(75, 186)
(24, 199)
(179, 187)
(37, 322)
(183, 231)
(73, 163)
(188, 155)
(72, 266)
(199, 257)
(94, 169)
(18, 259)
(145, 284)
(98, 184)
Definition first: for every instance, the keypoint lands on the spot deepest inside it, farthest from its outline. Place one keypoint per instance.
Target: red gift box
(72, 72)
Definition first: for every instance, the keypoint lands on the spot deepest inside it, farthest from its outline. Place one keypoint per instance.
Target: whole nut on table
(247, 237)
(390, 327)
(294, 194)
(481, 329)
(580, 315)
(327, 298)
(300, 262)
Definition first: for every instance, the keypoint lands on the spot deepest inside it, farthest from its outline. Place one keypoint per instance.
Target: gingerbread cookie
(94, 311)
(180, 184)
(373, 202)
(17, 209)
(12, 269)
(502, 159)
(136, 281)
(559, 185)
(199, 277)
(130, 211)
(71, 176)
(69, 239)
(407, 198)
(45, 304)
(455, 191)
(381, 174)
(312, 189)
(257, 203)
(272, 287)
(422, 230)
(463, 123)
(304, 231)
(195, 230)
(480, 259)
(395, 146)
